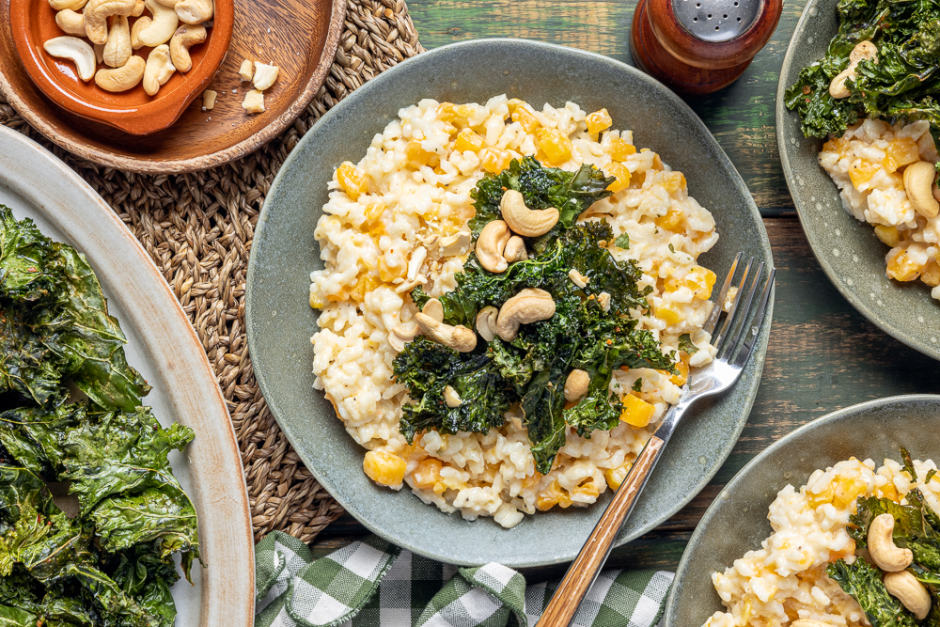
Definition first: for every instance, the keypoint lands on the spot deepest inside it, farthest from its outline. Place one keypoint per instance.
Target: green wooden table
(823, 355)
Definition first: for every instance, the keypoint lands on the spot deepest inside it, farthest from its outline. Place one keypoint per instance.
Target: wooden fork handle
(584, 569)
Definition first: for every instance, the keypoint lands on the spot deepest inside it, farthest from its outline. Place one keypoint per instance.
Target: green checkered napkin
(375, 584)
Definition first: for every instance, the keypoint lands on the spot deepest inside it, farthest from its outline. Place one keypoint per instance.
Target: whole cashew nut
(71, 22)
(159, 69)
(185, 36)
(529, 305)
(194, 11)
(523, 220)
(138, 26)
(919, 179)
(162, 27)
(576, 385)
(490, 246)
(122, 78)
(399, 336)
(451, 398)
(435, 309)
(97, 13)
(138, 8)
(61, 5)
(515, 250)
(864, 50)
(118, 49)
(75, 49)
(486, 323)
(459, 338)
(911, 593)
(884, 553)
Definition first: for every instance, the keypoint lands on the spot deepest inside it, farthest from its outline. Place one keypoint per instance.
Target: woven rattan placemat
(198, 230)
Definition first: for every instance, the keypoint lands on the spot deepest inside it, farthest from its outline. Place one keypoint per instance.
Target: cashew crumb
(246, 71)
(265, 75)
(208, 99)
(254, 101)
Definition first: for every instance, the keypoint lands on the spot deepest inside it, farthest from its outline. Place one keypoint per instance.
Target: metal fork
(734, 342)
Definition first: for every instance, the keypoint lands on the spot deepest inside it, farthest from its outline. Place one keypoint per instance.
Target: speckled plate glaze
(737, 521)
(848, 251)
(280, 320)
(163, 346)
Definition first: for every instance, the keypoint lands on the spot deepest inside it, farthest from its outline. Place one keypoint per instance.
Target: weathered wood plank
(741, 116)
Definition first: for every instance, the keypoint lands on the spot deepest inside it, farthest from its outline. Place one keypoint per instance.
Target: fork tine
(740, 359)
(732, 344)
(718, 341)
(712, 321)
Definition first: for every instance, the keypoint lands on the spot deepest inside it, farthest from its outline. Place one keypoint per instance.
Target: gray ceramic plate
(737, 520)
(848, 251)
(280, 320)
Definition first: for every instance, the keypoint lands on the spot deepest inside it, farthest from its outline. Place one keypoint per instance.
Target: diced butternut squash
(351, 180)
(668, 314)
(427, 474)
(862, 172)
(495, 160)
(671, 221)
(673, 181)
(598, 121)
(931, 273)
(525, 118)
(468, 140)
(619, 172)
(636, 412)
(384, 468)
(901, 152)
(902, 268)
(887, 234)
(550, 497)
(619, 149)
(615, 476)
(554, 144)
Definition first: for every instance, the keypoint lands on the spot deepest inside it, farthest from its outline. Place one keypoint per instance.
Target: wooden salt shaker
(700, 46)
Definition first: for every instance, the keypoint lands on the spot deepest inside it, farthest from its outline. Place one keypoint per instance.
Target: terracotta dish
(131, 111)
(298, 37)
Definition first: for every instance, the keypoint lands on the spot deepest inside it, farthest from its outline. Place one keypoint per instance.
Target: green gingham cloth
(373, 583)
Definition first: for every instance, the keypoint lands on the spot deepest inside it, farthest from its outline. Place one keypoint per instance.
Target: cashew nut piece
(162, 27)
(122, 78)
(186, 35)
(523, 220)
(246, 71)
(490, 246)
(265, 75)
(576, 385)
(76, 50)
(435, 309)
(919, 178)
(97, 13)
(864, 50)
(194, 11)
(455, 244)
(459, 338)
(806, 622)
(486, 323)
(61, 5)
(71, 22)
(159, 69)
(884, 553)
(911, 593)
(515, 250)
(399, 336)
(529, 305)
(451, 397)
(138, 26)
(578, 279)
(118, 49)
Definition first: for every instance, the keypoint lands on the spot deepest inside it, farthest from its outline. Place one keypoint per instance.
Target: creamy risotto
(785, 581)
(868, 165)
(398, 219)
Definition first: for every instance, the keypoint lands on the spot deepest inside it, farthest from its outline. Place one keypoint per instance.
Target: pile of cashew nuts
(496, 248)
(171, 28)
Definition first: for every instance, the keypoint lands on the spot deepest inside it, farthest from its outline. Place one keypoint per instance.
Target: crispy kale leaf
(863, 582)
(898, 86)
(911, 529)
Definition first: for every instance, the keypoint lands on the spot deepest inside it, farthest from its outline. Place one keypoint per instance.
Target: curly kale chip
(529, 372)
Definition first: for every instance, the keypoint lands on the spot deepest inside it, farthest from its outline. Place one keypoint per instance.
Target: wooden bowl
(302, 42)
(131, 111)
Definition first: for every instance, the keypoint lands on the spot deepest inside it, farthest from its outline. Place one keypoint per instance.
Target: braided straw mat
(198, 229)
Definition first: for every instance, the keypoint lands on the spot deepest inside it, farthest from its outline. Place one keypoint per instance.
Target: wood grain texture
(586, 566)
(299, 37)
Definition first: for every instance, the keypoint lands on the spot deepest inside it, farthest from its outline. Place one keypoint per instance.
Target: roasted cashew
(451, 397)
(455, 244)
(186, 35)
(919, 179)
(122, 78)
(246, 71)
(169, 3)
(75, 49)
(435, 309)
(523, 220)
(61, 5)
(118, 49)
(459, 338)
(265, 75)
(138, 26)
(254, 101)
(529, 305)
(399, 336)
(881, 547)
(71, 22)
(138, 8)
(911, 593)
(159, 69)
(162, 27)
(515, 250)
(486, 323)
(576, 385)
(864, 50)
(97, 13)
(490, 246)
(578, 279)
(194, 11)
